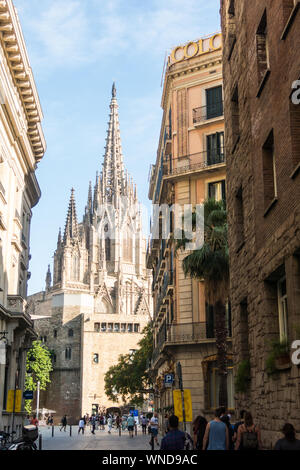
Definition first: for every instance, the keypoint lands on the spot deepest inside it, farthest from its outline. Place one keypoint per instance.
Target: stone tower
(100, 302)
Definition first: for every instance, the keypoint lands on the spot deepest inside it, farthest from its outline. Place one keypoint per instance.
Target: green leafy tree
(38, 368)
(211, 263)
(129, 377)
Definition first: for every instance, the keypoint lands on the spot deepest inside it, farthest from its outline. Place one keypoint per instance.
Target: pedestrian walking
(166, 424)
(130, 425)
(248, 437)
(289, 441)
(226, 419)
(109, 424)
(174, 439)
(154, 427)
(64, 423)
(238, 424)
(93, 424)
(34, 421)
(144, 422)
(199, 427)
(118, 421)
(81, 425)
(216, 433)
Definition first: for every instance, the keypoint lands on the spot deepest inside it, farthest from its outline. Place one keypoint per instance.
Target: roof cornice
(13, 44)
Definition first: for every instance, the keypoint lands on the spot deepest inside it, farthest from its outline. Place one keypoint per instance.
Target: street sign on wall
(28, 395)
(187, 405)
(169, 380)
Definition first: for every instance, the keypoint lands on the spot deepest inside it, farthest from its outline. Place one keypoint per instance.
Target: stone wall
(264, 239)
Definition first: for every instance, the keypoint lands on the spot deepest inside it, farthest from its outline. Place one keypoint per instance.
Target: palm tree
(211, 263)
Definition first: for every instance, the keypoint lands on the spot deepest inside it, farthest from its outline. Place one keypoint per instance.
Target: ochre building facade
(262, 125)
(99, 302)
(190, 167)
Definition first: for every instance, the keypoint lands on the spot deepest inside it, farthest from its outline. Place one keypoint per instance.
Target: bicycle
(6, 439)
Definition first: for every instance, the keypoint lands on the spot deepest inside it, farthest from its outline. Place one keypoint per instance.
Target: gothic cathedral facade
(100, 300)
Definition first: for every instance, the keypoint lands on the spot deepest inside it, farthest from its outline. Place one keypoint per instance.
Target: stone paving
(100, 441)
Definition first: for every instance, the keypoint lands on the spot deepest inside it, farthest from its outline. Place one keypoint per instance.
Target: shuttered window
(214, 102)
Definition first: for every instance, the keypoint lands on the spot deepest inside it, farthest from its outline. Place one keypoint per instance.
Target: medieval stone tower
(100, 300)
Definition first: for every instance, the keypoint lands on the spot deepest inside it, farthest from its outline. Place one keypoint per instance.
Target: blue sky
(77, 48)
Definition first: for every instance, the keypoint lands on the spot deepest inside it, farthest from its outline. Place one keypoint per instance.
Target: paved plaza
(100, 441)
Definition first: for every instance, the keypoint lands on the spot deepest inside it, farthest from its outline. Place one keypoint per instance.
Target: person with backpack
(64, 423)
(216, 433)
(199, 426)
(248, 437)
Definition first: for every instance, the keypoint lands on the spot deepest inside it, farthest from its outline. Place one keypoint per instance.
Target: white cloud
(73, 32)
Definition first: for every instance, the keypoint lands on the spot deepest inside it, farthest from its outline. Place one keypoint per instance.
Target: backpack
(250, 440)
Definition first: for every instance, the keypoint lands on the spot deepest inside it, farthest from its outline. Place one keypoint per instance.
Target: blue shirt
(217, 436)
(174, 440)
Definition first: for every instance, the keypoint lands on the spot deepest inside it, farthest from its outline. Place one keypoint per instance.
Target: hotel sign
(196, 48)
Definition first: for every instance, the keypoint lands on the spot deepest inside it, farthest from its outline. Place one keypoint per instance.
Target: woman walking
(199, 426)
(248, 437)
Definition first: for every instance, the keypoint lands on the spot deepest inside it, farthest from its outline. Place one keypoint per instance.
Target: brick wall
(271, 235)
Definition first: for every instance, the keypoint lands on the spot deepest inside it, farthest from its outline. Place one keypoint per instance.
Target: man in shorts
(154, 428)
(130, 425)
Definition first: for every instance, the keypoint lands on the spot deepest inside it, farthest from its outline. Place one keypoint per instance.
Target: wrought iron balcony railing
(194, 162)
(204, 113)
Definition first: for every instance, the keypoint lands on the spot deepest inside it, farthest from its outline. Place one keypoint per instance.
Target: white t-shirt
(81, 423)
(154, 422)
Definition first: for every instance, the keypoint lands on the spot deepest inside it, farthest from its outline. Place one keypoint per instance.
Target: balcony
(206, 113)
(16, 304)
(189, 333)
(182, 333)
(167, 140)
(195, 162)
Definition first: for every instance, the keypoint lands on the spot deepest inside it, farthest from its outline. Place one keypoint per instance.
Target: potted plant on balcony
(211, 263)
(279, 357)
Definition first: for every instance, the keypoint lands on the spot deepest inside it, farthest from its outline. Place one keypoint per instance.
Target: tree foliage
(211, 263)
(129, 377)
(38, 368)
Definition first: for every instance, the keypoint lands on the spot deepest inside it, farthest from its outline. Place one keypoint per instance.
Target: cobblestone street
(100, 441)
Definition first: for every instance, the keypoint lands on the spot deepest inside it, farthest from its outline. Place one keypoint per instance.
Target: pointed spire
(113, 167)
(48, 278)
(71, 228)
(59, 240)
(114, 91)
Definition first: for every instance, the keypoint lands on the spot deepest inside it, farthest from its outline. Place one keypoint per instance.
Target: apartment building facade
(262, 126)
(22, 146)
(190, 168)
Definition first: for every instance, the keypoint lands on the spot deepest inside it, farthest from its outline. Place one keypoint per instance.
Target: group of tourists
(220, 434)
(244, 435)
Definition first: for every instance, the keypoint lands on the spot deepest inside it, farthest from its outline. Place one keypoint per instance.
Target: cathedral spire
(48, 278)
(71, 228)
(59, 238)
(113, 167)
